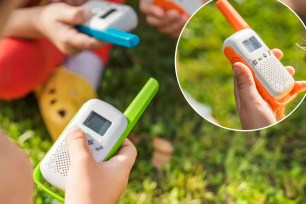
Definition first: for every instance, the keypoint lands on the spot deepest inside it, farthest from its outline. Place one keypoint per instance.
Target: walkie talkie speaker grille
(59, 162)
(272, 73)
(272, 79)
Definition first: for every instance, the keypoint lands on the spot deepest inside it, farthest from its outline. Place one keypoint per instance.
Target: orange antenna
(231, 15)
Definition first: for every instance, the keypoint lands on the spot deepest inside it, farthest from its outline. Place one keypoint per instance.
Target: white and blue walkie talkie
(111, 22)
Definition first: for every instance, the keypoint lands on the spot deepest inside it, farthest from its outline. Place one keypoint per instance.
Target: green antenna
(135, 110)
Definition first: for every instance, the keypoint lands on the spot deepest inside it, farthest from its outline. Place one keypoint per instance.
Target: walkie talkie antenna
(135, 110)
(231, 15)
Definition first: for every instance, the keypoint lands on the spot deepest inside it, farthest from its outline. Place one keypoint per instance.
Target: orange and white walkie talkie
(273, 81)
(184, 7)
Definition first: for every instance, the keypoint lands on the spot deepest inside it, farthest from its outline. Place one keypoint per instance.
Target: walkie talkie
(273, 81)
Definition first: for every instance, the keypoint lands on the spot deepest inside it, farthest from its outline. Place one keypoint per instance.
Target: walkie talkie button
(90, 142)
(99, 148)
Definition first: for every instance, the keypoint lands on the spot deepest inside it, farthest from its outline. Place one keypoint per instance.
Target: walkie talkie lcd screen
(97, 123)
(251, 44)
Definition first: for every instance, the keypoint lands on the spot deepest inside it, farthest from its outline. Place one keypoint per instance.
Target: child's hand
(57, 21)
(254, 112)
(91, 182)
(168, 22)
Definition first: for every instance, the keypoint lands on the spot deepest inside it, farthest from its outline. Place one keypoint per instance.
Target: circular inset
(232, 63)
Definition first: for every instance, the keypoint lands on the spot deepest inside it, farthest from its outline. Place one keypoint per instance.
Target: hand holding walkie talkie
(100, 177)
(263, 86)
(246, 95)
(102, 129)
(169, 16)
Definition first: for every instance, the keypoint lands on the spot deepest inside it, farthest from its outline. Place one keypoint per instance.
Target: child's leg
(90, 65)
(25, 64)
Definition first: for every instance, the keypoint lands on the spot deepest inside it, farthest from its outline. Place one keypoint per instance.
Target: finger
(95, 44)
(72, 51)
(173, 16)
(173, 30)
(154, 21)
(278, 53)
(63, 39)
(126, 155)
(246, 93)
(300, 86)
(144, 6)
(170, 21)
(244, 80)
(81, 41)
(72, 42)
(291, 70)
(175, 33)
(78, 147)
(179, 29)
(174, 27)
(156, 18)
(72, 15)
(151, 10)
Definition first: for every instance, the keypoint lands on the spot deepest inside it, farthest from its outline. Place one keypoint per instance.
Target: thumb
(78, 147)
(126, 155)
(72, 15)
(244, 81)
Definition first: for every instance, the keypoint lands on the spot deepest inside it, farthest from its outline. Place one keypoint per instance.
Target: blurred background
(208, 165)
(206, 75)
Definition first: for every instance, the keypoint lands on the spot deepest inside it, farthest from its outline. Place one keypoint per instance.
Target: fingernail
(236, 69)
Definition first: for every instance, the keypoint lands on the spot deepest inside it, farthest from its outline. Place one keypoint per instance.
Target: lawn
(209, 165)
(204, 72)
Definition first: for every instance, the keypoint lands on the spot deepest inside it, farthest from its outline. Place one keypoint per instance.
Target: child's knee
(24, 65)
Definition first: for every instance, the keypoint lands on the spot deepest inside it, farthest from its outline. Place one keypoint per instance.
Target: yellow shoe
(61, 97)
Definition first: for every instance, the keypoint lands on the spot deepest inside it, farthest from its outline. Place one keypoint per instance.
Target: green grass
(210, 165)
(205, 73)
